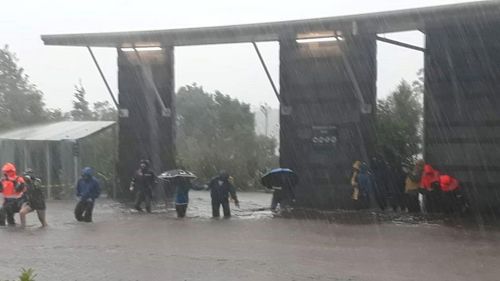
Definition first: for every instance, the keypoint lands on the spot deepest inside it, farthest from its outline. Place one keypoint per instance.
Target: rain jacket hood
(12, 186)
(363, 168)
(428, 169)
(9, 169)
(146, 164)
(87, 188)
(87, 171)
(224, 176)
(448, 183)
(429, 178)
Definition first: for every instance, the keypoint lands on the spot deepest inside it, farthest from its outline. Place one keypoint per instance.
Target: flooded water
(122, 244)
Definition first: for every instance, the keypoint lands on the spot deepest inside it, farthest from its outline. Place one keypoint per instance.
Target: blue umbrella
(280, 177)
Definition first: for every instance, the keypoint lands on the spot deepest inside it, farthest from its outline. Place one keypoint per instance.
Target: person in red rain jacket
(431, 189)
(12, 188)
(430, 178)
(453, 201)
(448, 183)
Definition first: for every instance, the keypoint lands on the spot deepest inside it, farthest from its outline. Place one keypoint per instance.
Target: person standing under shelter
(430, 187)
(365, 184)
(143, 183)
(412, 187)
(354, 180)
(220, 190)
(87, 191)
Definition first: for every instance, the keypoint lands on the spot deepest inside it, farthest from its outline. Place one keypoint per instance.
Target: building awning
(66, 130)
(383, 22)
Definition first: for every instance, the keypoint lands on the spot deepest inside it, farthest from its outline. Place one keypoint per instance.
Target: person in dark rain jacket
(220, 189)
(35, 199)
(87, 191)
(381, 182)
(282, 195)
(412, 186)
(143, 183)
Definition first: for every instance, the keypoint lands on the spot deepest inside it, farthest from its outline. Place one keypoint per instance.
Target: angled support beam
(263, 63)
(400, 44)
(103, 78)
(350, 72)
(148, 77)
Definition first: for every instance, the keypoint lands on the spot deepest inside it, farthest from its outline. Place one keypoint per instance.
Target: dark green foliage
(21, 103)
(81, 110)
(104, 111)
(98, 151)
(399, 119)
(216, 132)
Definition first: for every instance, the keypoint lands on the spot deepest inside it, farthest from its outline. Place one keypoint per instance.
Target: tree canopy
(81, 110)
(216, 132)
(21, 103)
(101, 110)
(399, 124)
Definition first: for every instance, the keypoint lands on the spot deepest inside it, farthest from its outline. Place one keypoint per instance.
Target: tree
(418, 85)
(103, 111)
(398, 125)
(56, 115)
(21, 103)
(81, 110)
(217, 132)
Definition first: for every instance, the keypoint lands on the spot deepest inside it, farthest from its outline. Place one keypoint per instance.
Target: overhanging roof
(66, 130)
(383, 22)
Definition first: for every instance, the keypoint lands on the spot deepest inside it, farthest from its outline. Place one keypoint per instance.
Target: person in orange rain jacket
(12, 188)
(430, 188)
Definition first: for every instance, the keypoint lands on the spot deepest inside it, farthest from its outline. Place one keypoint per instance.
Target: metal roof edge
(271, 30)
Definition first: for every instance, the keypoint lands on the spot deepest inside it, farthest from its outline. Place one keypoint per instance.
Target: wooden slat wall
(145, 133)
(314, 82)
(462, 113)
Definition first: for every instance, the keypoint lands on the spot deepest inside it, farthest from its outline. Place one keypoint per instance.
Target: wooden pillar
(323, 129)
(462, 116)
(146, 128)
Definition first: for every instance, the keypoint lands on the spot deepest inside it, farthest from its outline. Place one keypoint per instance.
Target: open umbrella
(177, 173)
(279, 177)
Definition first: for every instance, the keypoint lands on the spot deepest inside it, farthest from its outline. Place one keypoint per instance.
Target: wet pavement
(122, 244)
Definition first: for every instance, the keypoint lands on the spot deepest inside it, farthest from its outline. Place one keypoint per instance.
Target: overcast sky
(233, 69)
